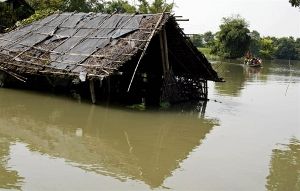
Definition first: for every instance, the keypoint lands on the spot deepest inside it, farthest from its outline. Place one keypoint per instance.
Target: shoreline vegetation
(212, 57)
(234, 40)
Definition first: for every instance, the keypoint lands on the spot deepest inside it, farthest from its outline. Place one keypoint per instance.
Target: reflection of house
(121, 144)
(8, 179)
(233, 73)
(285, 168)
(125, 57)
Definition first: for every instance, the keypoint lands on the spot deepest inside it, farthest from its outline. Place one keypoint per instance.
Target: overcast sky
(268, 17)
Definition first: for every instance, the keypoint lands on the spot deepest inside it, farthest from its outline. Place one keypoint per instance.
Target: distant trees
(197, 40)
(143, 6)
(254, 47)
(119, 6)
(233, 40)
(46, 7)
(208, 38)
(267, 48)
(287, 49)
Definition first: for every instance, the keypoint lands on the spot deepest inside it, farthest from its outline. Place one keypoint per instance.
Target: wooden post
(163, 59)
(92, 90)
(164, 52)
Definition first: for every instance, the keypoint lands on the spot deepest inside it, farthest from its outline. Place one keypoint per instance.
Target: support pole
(92, 90)
(164, 52)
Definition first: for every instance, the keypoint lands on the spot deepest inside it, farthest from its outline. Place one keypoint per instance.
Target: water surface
(247, 139)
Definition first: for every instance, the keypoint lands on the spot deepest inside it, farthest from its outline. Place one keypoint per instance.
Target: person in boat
(248, 58)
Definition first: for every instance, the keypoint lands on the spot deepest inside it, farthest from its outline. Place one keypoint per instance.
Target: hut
(125, 57)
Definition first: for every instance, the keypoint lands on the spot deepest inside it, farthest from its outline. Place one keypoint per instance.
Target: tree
(287, 49)
(297, 44)
(197, 40)
(158, 6)
(7, 17)
(208, 38)
(46, 4)
(295, 3)
(119, 6)
(77, 5)
(267, 48)
(254, 42)
(12, 11)
(232, 39)
(144, 6)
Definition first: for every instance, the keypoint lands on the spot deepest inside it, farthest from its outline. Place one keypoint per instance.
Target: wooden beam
(182, 20)
(164, 52)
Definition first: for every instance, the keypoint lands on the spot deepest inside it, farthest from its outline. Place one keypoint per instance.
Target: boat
(253, 62)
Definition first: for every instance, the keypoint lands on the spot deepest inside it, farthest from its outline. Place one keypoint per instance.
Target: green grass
(208, 55)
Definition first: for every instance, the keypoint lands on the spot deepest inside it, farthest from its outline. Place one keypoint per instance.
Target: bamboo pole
(145, 49)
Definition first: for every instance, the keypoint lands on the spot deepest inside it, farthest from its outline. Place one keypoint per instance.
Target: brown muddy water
(248, 139)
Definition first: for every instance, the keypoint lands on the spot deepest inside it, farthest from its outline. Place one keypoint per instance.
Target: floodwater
(247, 139)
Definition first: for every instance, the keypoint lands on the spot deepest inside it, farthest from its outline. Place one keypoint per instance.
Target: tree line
(142, 6)
(234, 39)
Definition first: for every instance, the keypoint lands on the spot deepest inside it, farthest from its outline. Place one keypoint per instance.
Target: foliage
(46, 4)
(232, 39)
(103, 6)
(295, 3)
(7, 17)
(39, 14)
(77, 5)
(197, 40)
(144, 6)
(287, 49)
(119, 6)
(267, 48)
(254, 42)
(158, 6)
(208, 38)
(46, 7)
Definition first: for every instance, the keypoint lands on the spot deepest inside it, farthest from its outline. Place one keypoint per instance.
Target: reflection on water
(145, 146)
(285, 168)
(236, 74)
(53, 143)
(9, 179)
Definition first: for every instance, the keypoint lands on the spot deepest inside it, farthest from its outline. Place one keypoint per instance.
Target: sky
(269, 17)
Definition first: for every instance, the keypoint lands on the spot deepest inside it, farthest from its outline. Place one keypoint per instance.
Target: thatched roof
(94, 45)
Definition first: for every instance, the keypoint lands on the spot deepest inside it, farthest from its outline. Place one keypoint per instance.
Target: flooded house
(126, 58)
